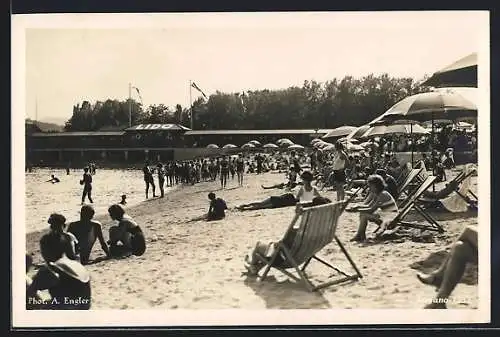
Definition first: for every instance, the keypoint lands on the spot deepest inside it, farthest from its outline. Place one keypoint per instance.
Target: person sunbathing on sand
(252, 262)
(289, 185)
(306, 193)
(127, 237)
(216, 210)
(378, 207)
(447, 276)
(67, 280)
(87, 231)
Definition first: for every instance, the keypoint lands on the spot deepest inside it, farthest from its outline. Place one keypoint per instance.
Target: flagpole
(130, 104)
(191, 104)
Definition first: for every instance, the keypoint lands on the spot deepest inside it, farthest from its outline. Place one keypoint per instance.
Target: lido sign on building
(171, 127)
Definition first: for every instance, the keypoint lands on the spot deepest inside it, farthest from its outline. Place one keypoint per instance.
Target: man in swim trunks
(87, 185)
(240, 169)
(148, 179)
(87, 231)
(224, 171)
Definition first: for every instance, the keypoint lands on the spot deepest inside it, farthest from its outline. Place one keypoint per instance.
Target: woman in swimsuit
(379, 205)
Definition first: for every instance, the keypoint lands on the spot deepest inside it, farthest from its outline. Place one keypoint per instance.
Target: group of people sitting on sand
(66, 251)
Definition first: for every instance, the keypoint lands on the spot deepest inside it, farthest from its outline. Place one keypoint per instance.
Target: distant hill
(55, 120)
(46, 127)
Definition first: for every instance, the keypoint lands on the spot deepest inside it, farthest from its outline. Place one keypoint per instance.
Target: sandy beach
(199, 265)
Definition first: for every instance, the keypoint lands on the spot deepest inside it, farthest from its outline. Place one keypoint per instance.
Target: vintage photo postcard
(250, 169)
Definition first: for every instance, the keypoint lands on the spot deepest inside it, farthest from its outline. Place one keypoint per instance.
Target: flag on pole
(197, 88)
(138, 93)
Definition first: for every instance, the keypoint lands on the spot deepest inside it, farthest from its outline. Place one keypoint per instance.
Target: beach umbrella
(323, 145)
(357, 133)
(429, 106)
(229, 146)
(248, 146)
(348, 140)
(393, 129)
(341, 131)
(212, 146)
(354, 147)
(255, 142)
(329, 147)
(284, 140)
(270, 146)
(295, 147)
(462, 73)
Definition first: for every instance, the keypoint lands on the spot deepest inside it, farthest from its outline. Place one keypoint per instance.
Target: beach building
(156, 142)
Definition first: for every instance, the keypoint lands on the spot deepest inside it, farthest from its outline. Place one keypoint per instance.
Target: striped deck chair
(311, 230)
(410, 179)
(411, 203)
(404, 173)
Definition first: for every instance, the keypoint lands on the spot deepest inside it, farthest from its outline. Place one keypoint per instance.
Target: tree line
(348, 101)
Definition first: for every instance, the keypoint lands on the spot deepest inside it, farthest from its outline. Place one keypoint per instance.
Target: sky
(69, 60)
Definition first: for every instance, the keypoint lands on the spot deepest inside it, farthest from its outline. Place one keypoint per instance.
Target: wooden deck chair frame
(316, 230)
(411, 203)
(458, 179)
(410, 178)
(404, 173)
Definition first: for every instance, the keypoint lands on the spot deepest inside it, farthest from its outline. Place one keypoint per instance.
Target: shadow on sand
(286, 294)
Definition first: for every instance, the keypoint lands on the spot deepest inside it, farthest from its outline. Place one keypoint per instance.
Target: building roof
(256, 132)
(78, 134)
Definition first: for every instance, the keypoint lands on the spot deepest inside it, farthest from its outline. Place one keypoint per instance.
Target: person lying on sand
(380, 206)
(67, 280)
(87, 231)
(289, 185)
(306, 193)
(447, 276)
(57, 224)
(252, 262)
(53, 179)
(127, 237)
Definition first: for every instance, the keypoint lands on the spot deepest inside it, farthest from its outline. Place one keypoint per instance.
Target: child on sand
(124, 200)
(87, 231)
(127, 237)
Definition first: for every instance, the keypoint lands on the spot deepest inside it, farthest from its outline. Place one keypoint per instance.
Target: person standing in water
(87, 185)
(87, 231)
(148, 179)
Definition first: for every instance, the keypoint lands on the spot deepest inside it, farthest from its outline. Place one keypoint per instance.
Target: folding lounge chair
(314, 229)
(456, 185)
(411, 203)
(409, 180)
